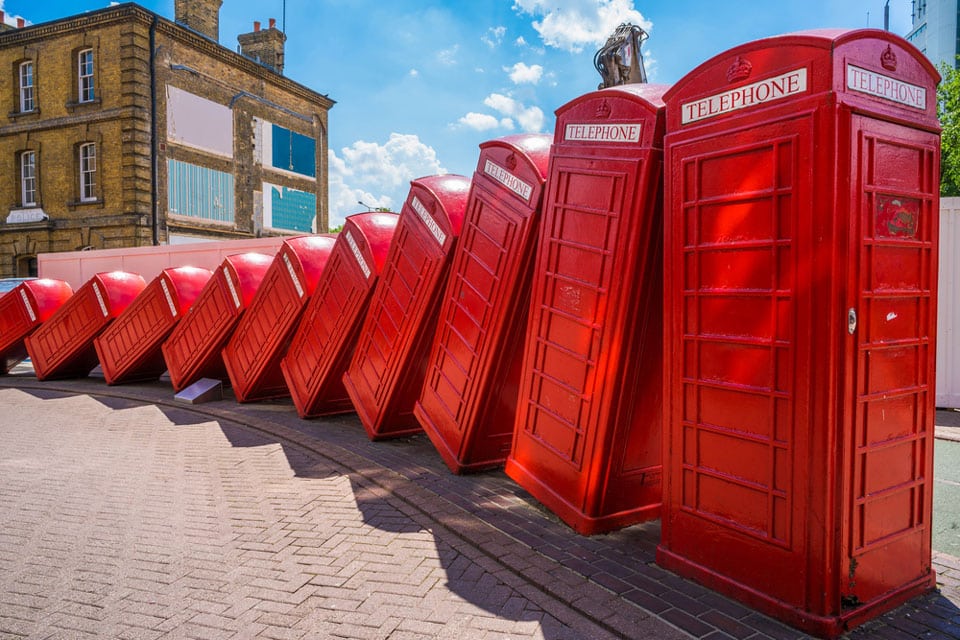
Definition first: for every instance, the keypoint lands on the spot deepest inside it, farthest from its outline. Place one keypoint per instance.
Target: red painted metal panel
(193, 349)
(801, 235)
(130, 348)
(253, 353)
(469, 398)
(324, 342)
(588, 424)
(63, 345)
(22, 310)
(389, 364)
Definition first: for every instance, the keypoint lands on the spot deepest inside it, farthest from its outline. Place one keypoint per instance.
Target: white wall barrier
(948, 312)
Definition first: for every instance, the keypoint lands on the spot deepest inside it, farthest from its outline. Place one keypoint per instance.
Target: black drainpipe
(153, 132)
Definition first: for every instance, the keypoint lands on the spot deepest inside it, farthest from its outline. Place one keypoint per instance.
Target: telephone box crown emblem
(888, 59)
(603, 109)
(511, 161)
(739, 70)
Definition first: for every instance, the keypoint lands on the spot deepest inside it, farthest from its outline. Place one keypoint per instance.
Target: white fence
(948, 313)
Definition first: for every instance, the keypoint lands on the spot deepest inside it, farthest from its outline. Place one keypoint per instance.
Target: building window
(85, 75)
(199, 192)
(26, 86)
(28, 178)
(88, 172)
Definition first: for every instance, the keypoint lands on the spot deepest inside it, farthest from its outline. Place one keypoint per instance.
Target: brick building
(123, 129)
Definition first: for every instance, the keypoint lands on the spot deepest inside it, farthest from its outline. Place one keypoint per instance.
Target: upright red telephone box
(253, 353)
(63, 345)
(588, 424)
(800, 291)
(389, 363)
(129, 349)
(22, 310)
(324, 341)
(193, 350)
(469, 398)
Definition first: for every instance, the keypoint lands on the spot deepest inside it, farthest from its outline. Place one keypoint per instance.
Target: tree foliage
(948, 109)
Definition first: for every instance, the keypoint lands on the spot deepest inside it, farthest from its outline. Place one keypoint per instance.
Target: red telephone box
(800, 293)
(389, 363)
(22, 310)
(62, 347)
(588, 425)
(469, 398)
(323, 344)
(192, 351)
(253, 353)
(129, 349)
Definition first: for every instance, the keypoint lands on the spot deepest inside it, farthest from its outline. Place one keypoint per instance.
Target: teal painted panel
(199, 192)
(292, 209)
(294, 152)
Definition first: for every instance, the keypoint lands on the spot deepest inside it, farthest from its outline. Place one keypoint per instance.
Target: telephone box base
(822, 626)
(575, 518)
(450, 457)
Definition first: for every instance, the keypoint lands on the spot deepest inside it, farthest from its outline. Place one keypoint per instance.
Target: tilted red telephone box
(253, 353)
(193, 349)
(800, 293)
(129, 349)
(469, 398)
(62, 347)
(22, 310)
(384, 377)
(324, 341)
(588, 425)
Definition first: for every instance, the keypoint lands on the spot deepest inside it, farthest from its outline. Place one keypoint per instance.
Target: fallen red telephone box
(253, 353)
(62, 347)
(800, 293)
(22, 310)
(389, 363)
(588, 425)
(469, 398)
(323, 343)
(130, 348)
(193, 349)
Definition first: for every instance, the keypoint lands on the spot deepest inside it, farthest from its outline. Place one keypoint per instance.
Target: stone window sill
(85, 203)
(16, 115)
(74, 105)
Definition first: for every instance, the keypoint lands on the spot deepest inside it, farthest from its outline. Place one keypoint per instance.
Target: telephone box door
(891, 325)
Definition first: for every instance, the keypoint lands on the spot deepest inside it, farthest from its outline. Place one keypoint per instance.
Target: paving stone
(240, 521)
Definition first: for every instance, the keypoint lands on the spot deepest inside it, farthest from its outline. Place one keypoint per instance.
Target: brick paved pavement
(128, 516)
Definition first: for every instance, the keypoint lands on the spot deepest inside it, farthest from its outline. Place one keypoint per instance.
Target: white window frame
(28, 178)
(88, 171)
(27, 102)
(85, 88)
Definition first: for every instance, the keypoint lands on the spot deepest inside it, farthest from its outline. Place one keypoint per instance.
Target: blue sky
(420, 84)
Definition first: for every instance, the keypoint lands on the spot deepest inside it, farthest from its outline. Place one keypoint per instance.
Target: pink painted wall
(76, 267)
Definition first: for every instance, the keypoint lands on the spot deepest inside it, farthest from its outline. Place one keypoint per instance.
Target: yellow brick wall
(119, 121)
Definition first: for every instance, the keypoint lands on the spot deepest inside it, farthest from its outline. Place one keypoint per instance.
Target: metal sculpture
(620, 61)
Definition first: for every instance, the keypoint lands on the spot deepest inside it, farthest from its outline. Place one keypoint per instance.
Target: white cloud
(573, 24)
(484, 121)
(521, 73)
(493, 37)
(379, 175)
(414, 73)
(530, 119)
(520, 42)
(448, 57)
(501, 103)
